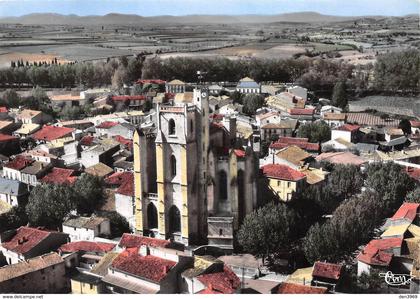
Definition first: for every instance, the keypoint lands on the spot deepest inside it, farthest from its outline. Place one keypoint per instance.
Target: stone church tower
(177, 183)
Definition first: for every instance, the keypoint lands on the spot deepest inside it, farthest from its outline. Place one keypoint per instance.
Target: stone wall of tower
(144, 176)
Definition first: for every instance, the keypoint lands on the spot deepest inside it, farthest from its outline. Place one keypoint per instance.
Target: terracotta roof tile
(25, 239)
(29, 266)
(407, 211)
(107, 125)
(294, 154)
(19, 163)
(135, 241)
(87, 247)
(119, 178)
(127, 187)
(303, 143)
(87, 140)
(49, 133)
(282, 172)
(149, 267)
(377, 252)
(60, 176)
(225, 282)
(4, 137)
(348, 128)
(294, 288)
(327, 270)
(302, 111)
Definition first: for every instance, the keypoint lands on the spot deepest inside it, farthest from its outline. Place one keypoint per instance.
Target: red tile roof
(119, 178)
(301, 111)
(225, 282)
(87, 140)
(282, 172)
(341, 158)
(348, 128)
(239, 153)
(60, 176)
(415, 123)
(87, 247)
(217, 116)
(127, 187)
(126, 142)
(407, 211)
(149, 267)
(128, 98)
(151, 81)
(107, 125)
(294, 288)
(377, 252)
(303, 143)
(135, 241)
(327, 270)
(5, 138)
(3, 109)
(19, 163)
(49, 133)
(25, 239)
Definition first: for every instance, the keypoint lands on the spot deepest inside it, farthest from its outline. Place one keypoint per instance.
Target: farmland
(338, 40)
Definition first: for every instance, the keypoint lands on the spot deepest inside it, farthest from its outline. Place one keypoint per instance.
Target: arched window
(241, 195)
(174, 220)
(171, 124)
(223, 188)
(173, 165)
(152, 216)
(192, 126)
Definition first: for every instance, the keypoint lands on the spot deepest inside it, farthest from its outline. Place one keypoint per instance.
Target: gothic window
(152, 216)
(173, 165)
(174, 220)
(172, 130)
(223, 185)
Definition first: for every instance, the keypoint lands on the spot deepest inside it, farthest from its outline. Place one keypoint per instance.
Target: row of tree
(114, 71)
(358, 202)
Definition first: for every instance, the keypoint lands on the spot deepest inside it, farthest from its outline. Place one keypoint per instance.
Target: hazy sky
(184, 7)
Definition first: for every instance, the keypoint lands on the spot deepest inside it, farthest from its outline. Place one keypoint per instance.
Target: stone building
(193, 182)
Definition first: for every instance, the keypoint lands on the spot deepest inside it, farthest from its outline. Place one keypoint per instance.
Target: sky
(231, 7)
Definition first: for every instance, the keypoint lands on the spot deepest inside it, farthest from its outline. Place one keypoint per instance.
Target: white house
(248, 85)
(86, 228)
(298, 91)
(346, 132)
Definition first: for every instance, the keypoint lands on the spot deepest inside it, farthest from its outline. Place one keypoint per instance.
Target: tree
(371, 283)
(90, 191)
(352, 224)
(11, 98)
(119, 78)
(252, 102)
(267, 230)
(119, 224)
(316, 132)
(339, 96)
(345, 181)
(14, 218)
(405, 126)
(398, 71)
(71, 113)
(413, 196)
(48, 205)
(390, 182)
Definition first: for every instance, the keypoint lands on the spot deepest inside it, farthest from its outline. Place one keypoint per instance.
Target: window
(171, 125)
(191, 126)
(91, 286)
(173, 165)
(223, 188)
(289, 184)
(278, 183)
(220, 232)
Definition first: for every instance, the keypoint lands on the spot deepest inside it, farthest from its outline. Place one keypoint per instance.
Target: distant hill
(123, 19)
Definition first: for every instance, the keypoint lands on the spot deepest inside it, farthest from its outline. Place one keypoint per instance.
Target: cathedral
(195, 181)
